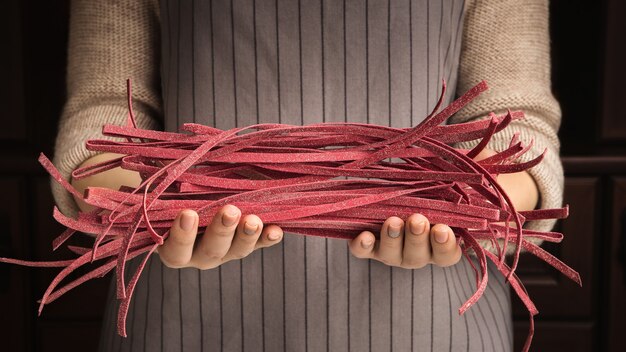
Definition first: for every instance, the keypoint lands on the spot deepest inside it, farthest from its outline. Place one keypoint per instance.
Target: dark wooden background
(589, 52)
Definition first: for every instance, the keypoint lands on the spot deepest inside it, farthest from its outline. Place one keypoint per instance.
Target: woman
(235, 63)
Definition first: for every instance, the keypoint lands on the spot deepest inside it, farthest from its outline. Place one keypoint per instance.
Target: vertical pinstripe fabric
(229, 63)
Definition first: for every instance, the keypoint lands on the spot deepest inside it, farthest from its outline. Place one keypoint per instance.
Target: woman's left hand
(415, 243)
(410, 245)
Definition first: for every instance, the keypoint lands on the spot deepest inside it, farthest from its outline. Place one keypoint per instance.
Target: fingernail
(393, 230)
(250, 229)
(441, 235)
(273, 236)
(417, 228)
(187, 220)
(366, 244)
(230, 216)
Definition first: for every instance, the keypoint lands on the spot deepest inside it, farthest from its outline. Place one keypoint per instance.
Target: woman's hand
(228, 237)
(414, 244)
(410, 245)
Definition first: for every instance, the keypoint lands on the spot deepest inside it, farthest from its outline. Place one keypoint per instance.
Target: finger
(246, 236)
(217, 237)
(389, 250)
(446, 251)
(177, 249)
(270, 236)
(362, 246)
(484, 154)
(416, 252)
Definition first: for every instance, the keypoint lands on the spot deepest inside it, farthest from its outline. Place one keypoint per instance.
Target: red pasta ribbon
(329, 179)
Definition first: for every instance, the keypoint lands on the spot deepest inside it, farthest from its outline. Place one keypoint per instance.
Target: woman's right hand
(229, 236)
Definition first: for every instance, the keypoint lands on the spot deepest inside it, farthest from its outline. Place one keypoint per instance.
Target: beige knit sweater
(505, 42)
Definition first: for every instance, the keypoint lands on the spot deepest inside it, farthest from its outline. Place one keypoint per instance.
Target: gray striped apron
(240, 62)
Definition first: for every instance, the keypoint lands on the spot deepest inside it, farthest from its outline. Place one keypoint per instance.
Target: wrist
(522, 190)
(111, 179)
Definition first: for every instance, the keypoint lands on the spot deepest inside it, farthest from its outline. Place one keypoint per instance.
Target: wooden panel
(547, 286)
(576, 73)
(12, 87)
(616, 257)
(614, 112)
(559, 336)
(597, 165)
(14, 290)
(68, 336)
(45, 33)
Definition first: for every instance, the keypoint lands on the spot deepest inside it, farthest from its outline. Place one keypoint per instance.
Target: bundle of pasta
(329, 179)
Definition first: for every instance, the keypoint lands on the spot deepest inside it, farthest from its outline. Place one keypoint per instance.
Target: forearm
(522, 190)
(519, 186)
(109, 42)
(506, 43)
(112, 179)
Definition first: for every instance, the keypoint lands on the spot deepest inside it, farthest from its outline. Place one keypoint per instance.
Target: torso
(377, 62)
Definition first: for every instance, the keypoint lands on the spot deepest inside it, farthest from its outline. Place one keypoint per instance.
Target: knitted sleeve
(109, 42)
(506, 43)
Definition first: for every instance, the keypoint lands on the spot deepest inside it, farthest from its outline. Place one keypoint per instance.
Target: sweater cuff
(70, 152)
(548, 175)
